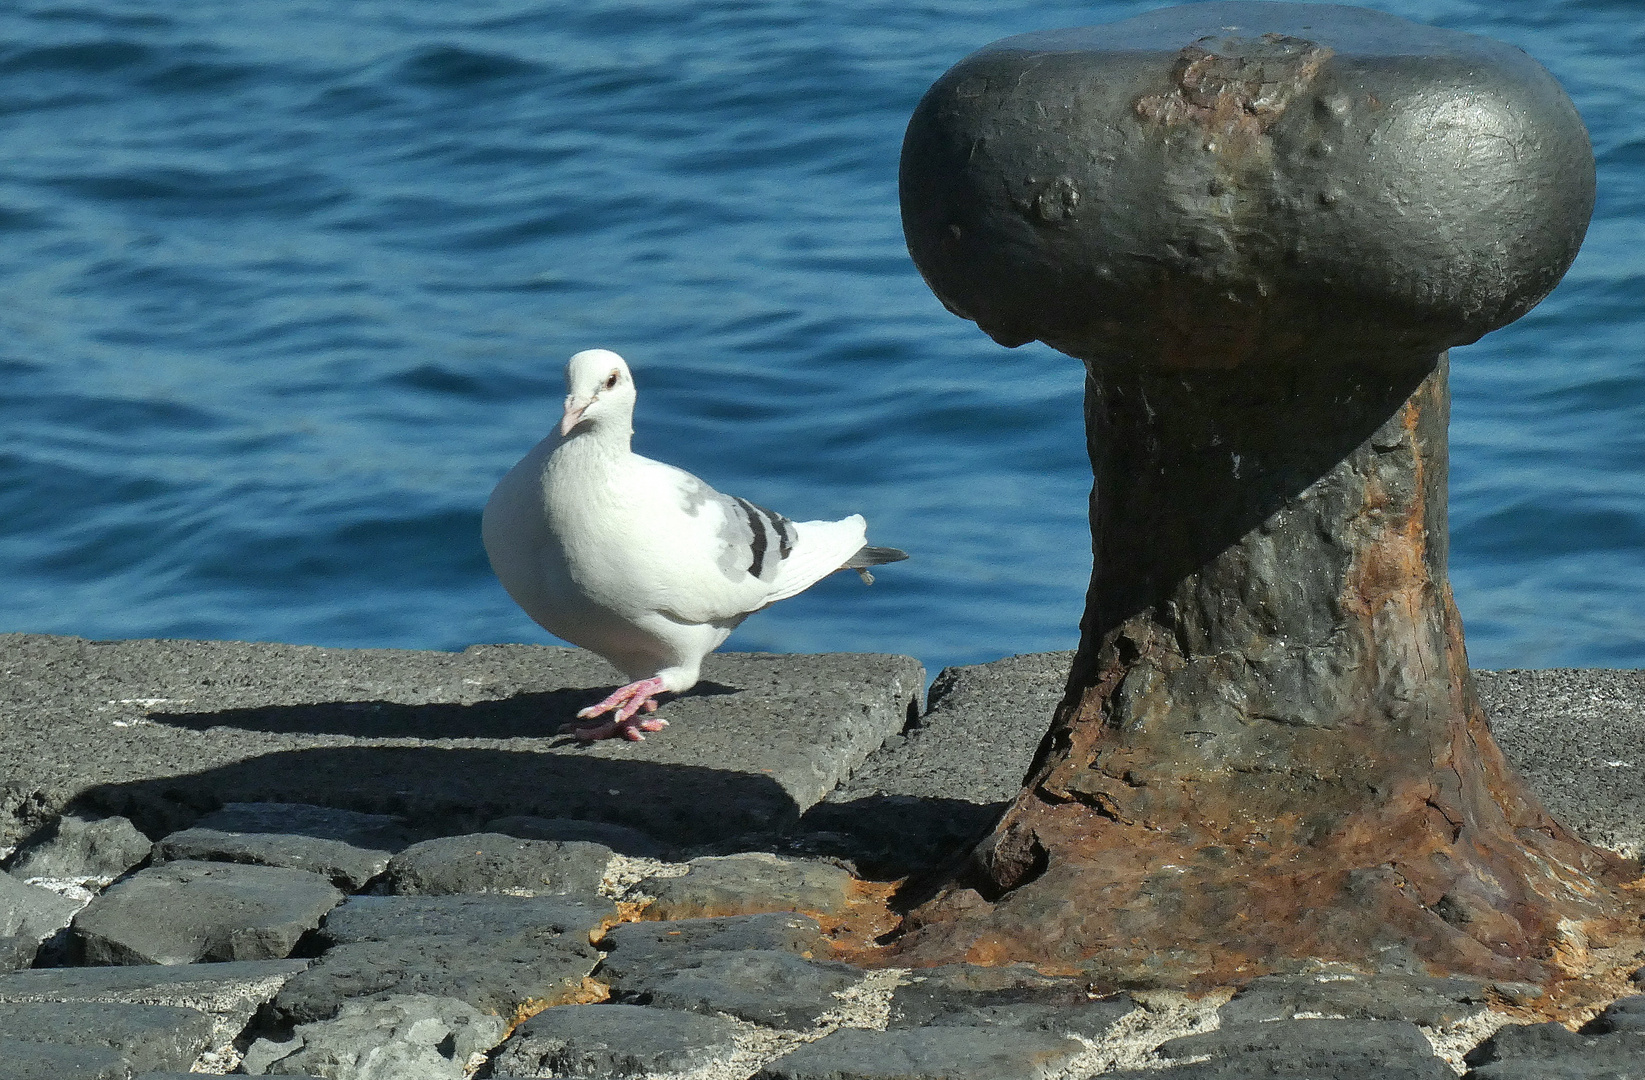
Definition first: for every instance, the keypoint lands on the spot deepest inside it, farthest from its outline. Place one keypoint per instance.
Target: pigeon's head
(600, 389)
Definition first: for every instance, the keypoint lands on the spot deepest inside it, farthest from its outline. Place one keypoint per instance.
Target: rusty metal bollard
(1261, 226)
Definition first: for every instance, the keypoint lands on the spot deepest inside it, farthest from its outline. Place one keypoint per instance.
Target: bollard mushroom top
(1228, 184)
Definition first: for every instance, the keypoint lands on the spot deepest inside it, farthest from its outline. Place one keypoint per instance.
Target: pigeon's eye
(611, 380)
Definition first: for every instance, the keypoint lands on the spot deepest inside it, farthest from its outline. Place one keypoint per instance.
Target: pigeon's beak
(573, 413)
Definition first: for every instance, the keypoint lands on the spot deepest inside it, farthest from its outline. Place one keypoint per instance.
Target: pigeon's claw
(614, 728)
(625, 701)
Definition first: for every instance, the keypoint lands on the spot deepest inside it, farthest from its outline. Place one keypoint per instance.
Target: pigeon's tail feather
(820, 548)
(874, 556)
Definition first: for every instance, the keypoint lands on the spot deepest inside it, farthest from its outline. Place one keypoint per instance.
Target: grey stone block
(654, 945)
(1625, 1014)
(398, 1038)
(148, 1036)
(473, 916)
(31, 913)
(1331, 1048)
(1277, 1065)
(935, 789)
(344, 865)
(759, 740)
(756, 967)
(494, 975)
(17, 951)
(977, 737)
(229, 993)
(619, 838)
(196, 1076)
(373, 832)
(1303, 1037)
(766, 986)
(625, 1042)
(1578, 736)
(73, 847)
(1519, 1051)
(235, 988)
(1418, 998)
(20, 1060)
(1563, 1069)
(495, 863)
(748, 884)
(938, 1053)
(184, 912)
(1018, 996)
(493, 952)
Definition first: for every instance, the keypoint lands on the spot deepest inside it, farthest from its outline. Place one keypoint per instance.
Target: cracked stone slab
(22, 1060)
(196, 1076)
(184, 912)
(1278, 1066)
(977, 737)
(1015, 996)
(30, 915)
(374, 832)
(619, 838)
(934, 1053)
(495, 975)
(72, 847)
(748, 884)
(229, 992)
(755, 967)
(475, 915)
(940, 785)
(1334, 1048)
(443, 739)
(149, 1037)
(496, 863)
(493, 952)
(1624, 1014)
(1421, 999)
(213, 988)
(660, 944)
(623, 1042)
(414, 1037)
(344, 865)
(1551, 1051)
(765, 986)
(17, 951)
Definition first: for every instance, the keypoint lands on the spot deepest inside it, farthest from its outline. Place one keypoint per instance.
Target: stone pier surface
(372, 863)
(159, 731)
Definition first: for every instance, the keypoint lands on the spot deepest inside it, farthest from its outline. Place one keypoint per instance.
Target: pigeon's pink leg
(626, 700)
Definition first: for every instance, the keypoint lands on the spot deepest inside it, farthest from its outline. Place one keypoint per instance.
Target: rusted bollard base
(1270, 754)
(1129, 906)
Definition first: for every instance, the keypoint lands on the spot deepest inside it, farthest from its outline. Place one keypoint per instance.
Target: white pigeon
(639, 561)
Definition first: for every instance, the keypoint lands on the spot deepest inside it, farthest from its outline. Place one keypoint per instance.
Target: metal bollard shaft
(1261, 226)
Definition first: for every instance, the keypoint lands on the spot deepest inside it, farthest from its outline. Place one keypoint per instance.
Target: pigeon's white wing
(733, 557)
(822, 548)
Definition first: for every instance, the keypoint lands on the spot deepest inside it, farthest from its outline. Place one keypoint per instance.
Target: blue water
(287, 286)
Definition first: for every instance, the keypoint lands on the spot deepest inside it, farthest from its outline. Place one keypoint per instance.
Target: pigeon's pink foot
(627, 701)
(628, 729)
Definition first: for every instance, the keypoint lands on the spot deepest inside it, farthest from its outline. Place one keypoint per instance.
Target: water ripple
(290, 286)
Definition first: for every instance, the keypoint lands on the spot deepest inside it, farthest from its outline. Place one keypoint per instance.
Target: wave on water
(290, 286)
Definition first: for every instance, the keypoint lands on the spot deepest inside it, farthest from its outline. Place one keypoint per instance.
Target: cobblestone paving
(293, 938)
